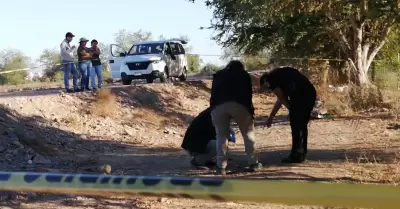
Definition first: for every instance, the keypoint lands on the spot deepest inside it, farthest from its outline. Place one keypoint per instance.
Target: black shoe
(255, 167)
(88, 89)
(194, 163)
(220, 171)
(70, 91)
(294, 158)
(210, 164)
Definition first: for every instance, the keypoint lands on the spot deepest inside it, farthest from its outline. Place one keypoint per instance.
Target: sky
(34, 25)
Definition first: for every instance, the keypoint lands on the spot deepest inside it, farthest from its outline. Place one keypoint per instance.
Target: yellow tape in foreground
(285, 192)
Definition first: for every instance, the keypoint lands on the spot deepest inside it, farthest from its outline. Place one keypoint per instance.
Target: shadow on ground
(279, 120)
(70, 153)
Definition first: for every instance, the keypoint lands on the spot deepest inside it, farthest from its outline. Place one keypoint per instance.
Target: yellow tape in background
(284, 192)
(216, 55)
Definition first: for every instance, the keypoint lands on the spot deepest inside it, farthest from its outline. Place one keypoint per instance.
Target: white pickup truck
(149, 60)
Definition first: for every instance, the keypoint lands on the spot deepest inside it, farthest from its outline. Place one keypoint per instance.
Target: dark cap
(235, 64)
(94, 41)
(69, 34)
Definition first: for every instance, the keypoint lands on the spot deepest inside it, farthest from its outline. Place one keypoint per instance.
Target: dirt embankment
(137, 130)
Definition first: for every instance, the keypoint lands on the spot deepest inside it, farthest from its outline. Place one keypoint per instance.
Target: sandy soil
(143, 138)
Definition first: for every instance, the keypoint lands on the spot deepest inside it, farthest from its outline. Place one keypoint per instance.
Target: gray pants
(221, 116)
(203, 158)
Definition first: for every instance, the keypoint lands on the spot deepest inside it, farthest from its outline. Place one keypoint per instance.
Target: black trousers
(300, 108)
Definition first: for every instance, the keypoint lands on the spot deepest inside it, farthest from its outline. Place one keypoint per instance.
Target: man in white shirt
(67, 57)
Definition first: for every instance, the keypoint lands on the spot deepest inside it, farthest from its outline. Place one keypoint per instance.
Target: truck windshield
(153, 48)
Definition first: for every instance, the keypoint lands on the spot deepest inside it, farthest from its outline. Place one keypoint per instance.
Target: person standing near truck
(67, 57)
(96, 66)
(85, 63)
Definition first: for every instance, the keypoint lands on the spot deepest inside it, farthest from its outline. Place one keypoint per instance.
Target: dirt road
(144, 138)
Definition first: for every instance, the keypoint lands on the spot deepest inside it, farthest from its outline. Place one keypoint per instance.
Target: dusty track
(144, 139)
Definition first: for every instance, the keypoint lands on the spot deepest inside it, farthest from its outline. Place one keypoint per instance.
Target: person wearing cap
(200, 140)
(84, 63)
(96, 63)
(67, 58)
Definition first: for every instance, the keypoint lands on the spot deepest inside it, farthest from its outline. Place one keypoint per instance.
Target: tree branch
(381, 42)
(363, 10)
(341, 37)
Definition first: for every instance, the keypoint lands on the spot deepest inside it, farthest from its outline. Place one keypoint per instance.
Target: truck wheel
(164, 76)
(183, 77)
(126, 81)
(149, 80)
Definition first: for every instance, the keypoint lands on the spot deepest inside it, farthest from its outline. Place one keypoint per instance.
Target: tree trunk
(360, 70)
(360, 50)
(362, 61)
(362, 76)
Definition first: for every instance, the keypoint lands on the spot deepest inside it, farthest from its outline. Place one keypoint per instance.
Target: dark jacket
(232, 85)
(200, 131)
(293, 83)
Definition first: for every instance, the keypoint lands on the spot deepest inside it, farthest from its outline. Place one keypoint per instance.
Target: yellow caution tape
(216, 55)
(267, 191)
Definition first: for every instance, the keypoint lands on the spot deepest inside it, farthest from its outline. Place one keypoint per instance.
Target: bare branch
(363, 10)
(341, 37)
(381, 42)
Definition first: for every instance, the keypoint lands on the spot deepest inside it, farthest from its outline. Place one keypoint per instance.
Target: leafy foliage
(13, 60)
(126, 38)
(209, 67)
(355, 30)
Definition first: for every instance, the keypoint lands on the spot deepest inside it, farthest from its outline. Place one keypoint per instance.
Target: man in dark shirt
(199, 140)
(231, 98)
(96, 66)
(298, 94)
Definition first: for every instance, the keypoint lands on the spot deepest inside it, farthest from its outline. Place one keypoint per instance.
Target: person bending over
(298, 94)
(231, 99)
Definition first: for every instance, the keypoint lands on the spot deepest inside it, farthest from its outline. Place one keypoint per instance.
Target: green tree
(51, 61)
(193, 59)
(386, 70)
(252, 62)
(209, 67)
(126, 39)
(356, 30)
(12, 60)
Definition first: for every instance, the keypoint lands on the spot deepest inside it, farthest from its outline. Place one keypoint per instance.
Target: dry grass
(369, 169)
(355, 99)
(106, 104)
(392, 97)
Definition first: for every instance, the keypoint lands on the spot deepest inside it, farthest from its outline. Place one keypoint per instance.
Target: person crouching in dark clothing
(200, 140)
(298, 94)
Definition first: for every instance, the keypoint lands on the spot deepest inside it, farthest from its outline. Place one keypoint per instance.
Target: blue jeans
(96, 70)
(69, 67)
(84, 67)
